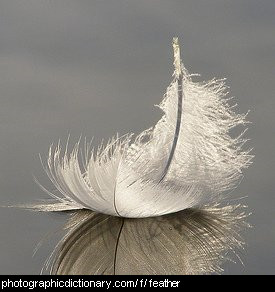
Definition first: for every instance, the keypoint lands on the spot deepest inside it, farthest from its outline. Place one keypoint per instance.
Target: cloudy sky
(98, 67)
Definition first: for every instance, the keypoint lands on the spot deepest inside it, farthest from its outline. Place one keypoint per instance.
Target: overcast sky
(97, 68)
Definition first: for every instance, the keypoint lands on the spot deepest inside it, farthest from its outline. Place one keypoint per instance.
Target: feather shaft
(177, 130)
(178, 74)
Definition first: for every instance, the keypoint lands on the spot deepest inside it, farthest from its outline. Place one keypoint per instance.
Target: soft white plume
(186, 160)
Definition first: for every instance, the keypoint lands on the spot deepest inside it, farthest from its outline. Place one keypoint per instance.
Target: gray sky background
(97, 68)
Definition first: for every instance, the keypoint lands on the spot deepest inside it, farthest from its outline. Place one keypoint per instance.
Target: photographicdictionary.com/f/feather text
(45, 284)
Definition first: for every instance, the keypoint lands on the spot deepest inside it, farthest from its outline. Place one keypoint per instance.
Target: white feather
(186, 160)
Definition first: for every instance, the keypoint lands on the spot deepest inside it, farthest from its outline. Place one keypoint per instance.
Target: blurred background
(97, 67)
